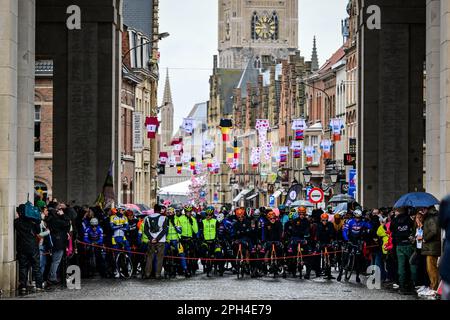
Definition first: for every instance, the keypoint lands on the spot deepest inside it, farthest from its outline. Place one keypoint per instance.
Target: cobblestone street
(228, 287)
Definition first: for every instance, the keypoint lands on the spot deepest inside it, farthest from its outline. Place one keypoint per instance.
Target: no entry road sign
(316, 195)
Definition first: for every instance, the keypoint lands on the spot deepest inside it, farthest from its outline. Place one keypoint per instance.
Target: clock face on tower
(265, 27)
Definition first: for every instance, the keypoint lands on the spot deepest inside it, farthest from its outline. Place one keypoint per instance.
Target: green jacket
(209, 229)
(174, 229)
(187, 229)
(144, 237)
(431, 234)
(381, 232)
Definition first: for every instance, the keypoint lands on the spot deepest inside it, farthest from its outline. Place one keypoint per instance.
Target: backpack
(153, 224)
(32, 212)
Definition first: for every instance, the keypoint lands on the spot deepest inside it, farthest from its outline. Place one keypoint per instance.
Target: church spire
(167, 93)
(314, 58)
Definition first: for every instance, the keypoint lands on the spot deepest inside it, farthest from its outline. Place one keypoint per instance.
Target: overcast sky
(188, 52)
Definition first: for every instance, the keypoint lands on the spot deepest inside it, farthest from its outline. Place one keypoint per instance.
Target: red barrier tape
(217, 259)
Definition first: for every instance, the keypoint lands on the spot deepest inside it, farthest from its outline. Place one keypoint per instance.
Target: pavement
(215, 287)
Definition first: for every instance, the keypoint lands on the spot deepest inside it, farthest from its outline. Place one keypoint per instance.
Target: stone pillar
(433, 44)
(8, 142)
(444, 115)
(87, 78)
(17, 33)
(25, 101)
(390, 118)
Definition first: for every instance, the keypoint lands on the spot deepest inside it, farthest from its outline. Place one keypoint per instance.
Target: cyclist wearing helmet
(210, 228)
(189, 225)
(132, 232)
(273, 233)
(299, 227)
(189, 231)
(274, 228)
(299, 230)
(354, 232)
(325, 230)
(356, 228)
(242, 229)
(325, 235)
(119, 224)
(262, 222)
(221, 229)
(94, 235)
(255, 232)
(173, 237)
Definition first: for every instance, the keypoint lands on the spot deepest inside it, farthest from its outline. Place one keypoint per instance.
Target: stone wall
(391, 105)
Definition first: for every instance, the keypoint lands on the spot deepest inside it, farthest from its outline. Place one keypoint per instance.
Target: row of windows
(140, 56)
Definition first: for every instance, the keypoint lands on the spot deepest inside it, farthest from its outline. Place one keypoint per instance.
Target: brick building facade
(43, 127)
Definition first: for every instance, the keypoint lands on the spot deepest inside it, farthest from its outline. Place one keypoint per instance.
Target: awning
(253, 196)
(241, 194)
(278, 193)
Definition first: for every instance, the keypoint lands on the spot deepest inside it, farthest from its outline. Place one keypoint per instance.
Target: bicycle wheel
(349, 266)
(124, 265)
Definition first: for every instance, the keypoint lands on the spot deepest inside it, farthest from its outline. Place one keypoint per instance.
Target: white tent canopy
(178, 189)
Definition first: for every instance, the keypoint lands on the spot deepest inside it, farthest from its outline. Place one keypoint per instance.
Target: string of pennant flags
(264, 151)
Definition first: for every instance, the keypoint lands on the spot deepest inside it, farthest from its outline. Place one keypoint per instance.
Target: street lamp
(307, 175)
(160, 37)
(334, 176)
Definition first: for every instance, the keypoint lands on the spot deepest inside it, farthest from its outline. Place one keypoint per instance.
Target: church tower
(261, 29)
(166, 114)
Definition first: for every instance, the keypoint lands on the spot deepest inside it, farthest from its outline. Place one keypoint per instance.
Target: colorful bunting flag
(163, 157)
(336, 125)
(297, 147)
(152, 124)
(188, 125)
(267, 150)
(284, 151)
(262, 126)
(299, 125)
(325, 145)
(235, 149)
(179, 168)
(309, 152)
(225, 127)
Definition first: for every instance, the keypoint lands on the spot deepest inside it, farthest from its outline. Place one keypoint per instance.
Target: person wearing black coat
(59, 225)
(444, 265)
(402, 228)
(27, 247)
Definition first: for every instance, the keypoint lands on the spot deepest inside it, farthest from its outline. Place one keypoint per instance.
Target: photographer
(59, 225)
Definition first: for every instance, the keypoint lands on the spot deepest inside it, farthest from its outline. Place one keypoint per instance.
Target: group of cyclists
(251, 242)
